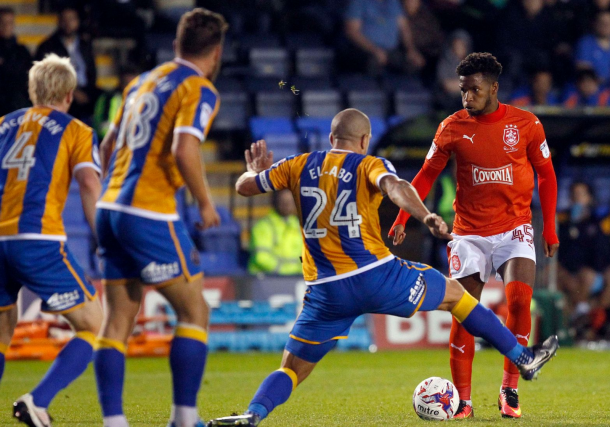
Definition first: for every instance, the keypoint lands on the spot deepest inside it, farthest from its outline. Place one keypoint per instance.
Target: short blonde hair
(51, 79)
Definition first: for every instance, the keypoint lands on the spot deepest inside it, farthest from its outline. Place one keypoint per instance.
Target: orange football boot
(464, 410)
(508, 403)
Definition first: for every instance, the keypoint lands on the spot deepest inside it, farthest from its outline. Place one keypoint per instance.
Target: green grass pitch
(346, 389)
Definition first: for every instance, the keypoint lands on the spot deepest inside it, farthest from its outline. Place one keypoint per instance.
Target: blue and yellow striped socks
(187, 360)
(109, 363)
(482, 322)
(275, 390)
(3, 350)
(70, 363)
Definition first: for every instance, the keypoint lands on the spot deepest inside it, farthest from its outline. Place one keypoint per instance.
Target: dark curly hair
(480, 62)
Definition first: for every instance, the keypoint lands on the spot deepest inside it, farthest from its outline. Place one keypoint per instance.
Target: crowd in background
(554, 53)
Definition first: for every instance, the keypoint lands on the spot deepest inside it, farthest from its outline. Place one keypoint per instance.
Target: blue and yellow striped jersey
(337, 196)
(40, 149)
(143, 176)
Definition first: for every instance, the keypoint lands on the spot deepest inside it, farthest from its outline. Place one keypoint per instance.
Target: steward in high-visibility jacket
(276, 242)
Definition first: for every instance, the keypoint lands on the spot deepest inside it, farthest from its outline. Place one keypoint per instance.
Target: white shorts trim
(353, 272)
(34, 236)
(471, 254)
(137, 211)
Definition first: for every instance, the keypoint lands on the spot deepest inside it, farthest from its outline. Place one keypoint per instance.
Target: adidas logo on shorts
(155, 273)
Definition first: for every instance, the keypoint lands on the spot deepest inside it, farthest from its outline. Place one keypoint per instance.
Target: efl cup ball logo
(511, 138)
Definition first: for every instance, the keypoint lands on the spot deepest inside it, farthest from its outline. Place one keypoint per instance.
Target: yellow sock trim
(87, 336)
(3, 348)
(108, 343)
(191, 331)
(464, 306)
(292, 375)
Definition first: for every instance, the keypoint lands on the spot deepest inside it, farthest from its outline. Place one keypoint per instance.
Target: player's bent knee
(296, 368)
(453, 294)
(87, 318)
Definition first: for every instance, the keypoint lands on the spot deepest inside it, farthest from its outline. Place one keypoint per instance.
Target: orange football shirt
(494, 155)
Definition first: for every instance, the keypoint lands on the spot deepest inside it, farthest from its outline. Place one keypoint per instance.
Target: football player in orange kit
(495, 146)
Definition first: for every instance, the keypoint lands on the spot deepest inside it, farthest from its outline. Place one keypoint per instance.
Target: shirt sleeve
(440, 150)
(198, 108)
(538, 151)
(85, 150)
(277, 177)
(377, 168)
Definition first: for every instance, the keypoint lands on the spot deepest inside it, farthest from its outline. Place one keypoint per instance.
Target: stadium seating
(324, 103)
(373, 103)
(269, 62)
(283, 145)
(275, 104)
(412, 104)
(234, 112)
(314, 62)
(260, 126)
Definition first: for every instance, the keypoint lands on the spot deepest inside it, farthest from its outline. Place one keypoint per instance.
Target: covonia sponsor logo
(501, 175)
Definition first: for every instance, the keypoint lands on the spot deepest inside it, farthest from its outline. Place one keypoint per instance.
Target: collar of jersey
(334, 150)
(188, 64)
(494, 117)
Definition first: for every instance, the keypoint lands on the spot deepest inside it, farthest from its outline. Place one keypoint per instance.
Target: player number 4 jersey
(495, 179)
(40, 150)
(337, 197)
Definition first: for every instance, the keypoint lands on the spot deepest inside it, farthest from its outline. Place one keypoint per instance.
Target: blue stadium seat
(254, 41)
(399, 82)
(256, 84)
(234, 112)
(378, 128)
(395, 121)
(294, 41)
(314, 62)
(275, 104)
(315, 131)
(220, 263)
(260, 126)
(312, 83)
(326, 103)
(412, 104)
(269, 62)
(373, 103)
(350, 82)
(283, 145)
(228, 85)
(73, 213)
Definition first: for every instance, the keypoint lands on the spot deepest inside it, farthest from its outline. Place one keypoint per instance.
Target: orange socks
(461, 353)
(519, 322)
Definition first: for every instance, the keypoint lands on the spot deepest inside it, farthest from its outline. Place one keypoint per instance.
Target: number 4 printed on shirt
(351, 219)
(23, 163)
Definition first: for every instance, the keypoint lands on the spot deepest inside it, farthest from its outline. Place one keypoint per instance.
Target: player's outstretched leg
(122, 305)
(277, 388)
(187, 356)
(482, 322)
(70, 363)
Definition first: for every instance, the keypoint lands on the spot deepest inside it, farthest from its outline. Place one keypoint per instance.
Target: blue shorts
(154, 252)
(46, 268)
(398, 287)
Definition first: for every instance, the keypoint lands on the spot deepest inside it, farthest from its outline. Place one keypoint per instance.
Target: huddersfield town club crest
(511, 138)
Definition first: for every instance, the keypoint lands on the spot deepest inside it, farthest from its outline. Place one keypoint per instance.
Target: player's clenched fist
(437, 226)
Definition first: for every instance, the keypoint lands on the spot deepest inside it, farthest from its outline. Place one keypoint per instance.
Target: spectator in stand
(379, 38)
(427, 32)
(109, 102)
(593, 50)
(525, 33)
(276, 243)
(66, 42)
(15, 61)
(584, 254)
(588, 92)
(448, 94)
(586, 15)
(538, 92)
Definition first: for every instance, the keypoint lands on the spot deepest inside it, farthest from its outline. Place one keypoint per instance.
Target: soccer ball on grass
(435, 399)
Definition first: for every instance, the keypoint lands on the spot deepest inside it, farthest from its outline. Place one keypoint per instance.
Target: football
(435, 399)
